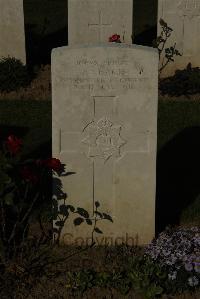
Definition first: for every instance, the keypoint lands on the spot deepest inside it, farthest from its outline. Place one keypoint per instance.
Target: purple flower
(194, 229)
(197, 267)
(178, 251)
(166, 252)
(188, 266)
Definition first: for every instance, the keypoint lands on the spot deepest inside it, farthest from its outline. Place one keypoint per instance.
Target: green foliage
(81, 281)
(147, 276)
(13, 74)
(184, 82)
(142, 275)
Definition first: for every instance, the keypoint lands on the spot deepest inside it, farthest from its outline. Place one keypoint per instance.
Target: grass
(30, 120)
(175, 116)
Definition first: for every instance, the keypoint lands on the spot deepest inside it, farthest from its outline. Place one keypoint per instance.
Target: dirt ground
(104, 259)
(101, 259)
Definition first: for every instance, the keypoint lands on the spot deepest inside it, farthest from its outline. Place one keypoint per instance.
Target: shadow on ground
(178, 180)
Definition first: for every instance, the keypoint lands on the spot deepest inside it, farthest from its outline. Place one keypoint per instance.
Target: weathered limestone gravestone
(104, 114)
(12, 36)
(183, 16)
(92, 21)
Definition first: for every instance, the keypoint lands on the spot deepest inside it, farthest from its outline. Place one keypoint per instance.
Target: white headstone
(12, 36)
(92, 21)
(183, 16)
(104, 129)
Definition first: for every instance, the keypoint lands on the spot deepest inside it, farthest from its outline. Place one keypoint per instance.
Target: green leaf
(8, 199)
(78, 221)
(158, 290)
(82, 212)
(97, 230)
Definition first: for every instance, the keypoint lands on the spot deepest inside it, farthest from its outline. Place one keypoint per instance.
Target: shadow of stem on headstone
(62, 211)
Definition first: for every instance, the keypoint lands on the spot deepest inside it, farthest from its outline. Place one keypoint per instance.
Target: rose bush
(13, 144)
(24, 188)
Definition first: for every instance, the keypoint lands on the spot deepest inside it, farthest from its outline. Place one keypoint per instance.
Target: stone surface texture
(93, 21)
(105, 130)
(12, 36)
(183, 16)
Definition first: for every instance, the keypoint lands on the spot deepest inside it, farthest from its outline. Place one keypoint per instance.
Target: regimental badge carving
(103, 139)
(189, 8)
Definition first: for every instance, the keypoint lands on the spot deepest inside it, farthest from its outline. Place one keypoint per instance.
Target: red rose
(115, 38)
(53, 164)
(13, 144)
(28, 175)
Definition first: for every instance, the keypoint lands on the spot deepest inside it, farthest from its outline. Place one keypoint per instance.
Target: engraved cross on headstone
(103, 141)
(100, 25)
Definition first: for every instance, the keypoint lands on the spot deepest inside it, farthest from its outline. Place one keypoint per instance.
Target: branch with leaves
(160, 44)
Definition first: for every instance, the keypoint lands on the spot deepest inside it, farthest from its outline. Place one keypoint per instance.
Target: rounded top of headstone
(105, 45)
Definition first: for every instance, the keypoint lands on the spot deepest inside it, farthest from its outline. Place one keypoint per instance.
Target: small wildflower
(193, 281)
(188, 266)
(172, 276)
